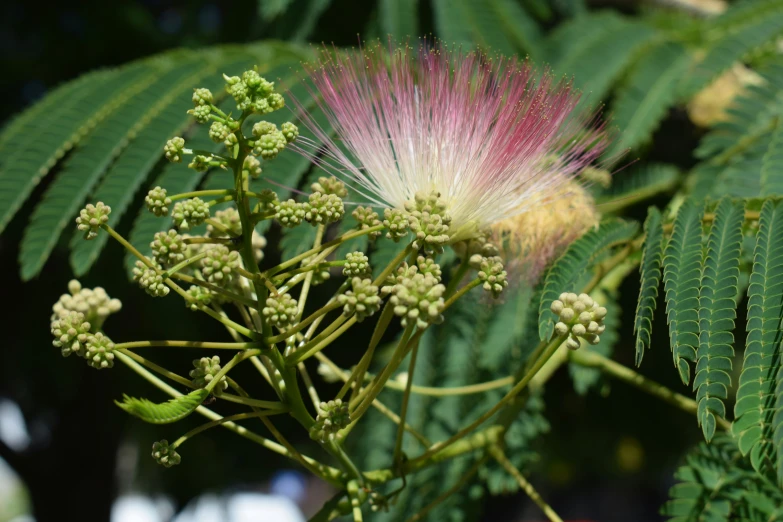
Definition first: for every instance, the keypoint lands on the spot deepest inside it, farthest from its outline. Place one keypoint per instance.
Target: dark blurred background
(68, 453)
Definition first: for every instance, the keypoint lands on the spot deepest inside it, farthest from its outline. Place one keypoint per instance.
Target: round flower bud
(290, 132)
(201, 113)
(169, 248)
(492, 274)
(367, 218)
(332, 417)
(275, 101)
(200, 163)
(330, 185)
(264, 128)
(419, 298)
(281, 311)
(150, 280)
(428, 265)
(202, 97)
(561, 328)
(267, 200)
(396, 223)
(357, 264)
(398, 276)
(268, 146)
(198, 296)
(95, 304)
(99, 351)
(251, 167)
(91, 218)
(218, 131)
(189, 213)
(429, 221)
(158, 202)
(174, 149)
(572, 343)
(556, 306)
(289, 213)
(580, 317)
(204, 371)
(323, 208)
(70, 333)
(219, 265)
(165, 455)
(362, 300)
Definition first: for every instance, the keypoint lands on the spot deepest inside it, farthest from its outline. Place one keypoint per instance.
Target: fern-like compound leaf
(165, 412)
(650, 268)
(717, 312)
(756, 401)
(681, 275)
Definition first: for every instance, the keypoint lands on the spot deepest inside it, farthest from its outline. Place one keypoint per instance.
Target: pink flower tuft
(492, 135)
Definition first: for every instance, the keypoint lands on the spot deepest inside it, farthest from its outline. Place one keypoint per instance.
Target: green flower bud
(251, 167)
(158, 202)
(330, 185)
(99, 351)
(174, 149)
(428, 265)
(270, 145)
(150, 280)
(169, 248)
(281, 311)
(367, 218)
(204, 371)
(267, 200)
(580, 317)
(198, 296)
(229, 218)
(398, 276)
(289, 213)
(362, 299)
(357, 265)
(264, 128)
(290, 132)
(323, 208)
(70, 333)
(218, 131)
(491, 272)
(95, 304)
(419, 298)
(200, 163)
(201, 113)
(429, 221)
(332, 417)
(396, 222)
(275, 102)
(91, 218)
(202, 96)
(189, 213)
(165, 455)
(320, 272)
(219, 265)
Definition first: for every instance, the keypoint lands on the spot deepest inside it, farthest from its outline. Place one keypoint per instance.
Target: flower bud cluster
(330, 185)
(253, 92)
(95, 304)
(158, 201)
(91, 218)
(362, 300)
(429, 221)
(332, 417)
(150, 280)
(269, 140)
(99, 351)
(229, 218)
(189, 213)
(491, 272)
(323, 208)
(169, 248)
(424, 265)
(251, 167)
(165, 455)
(281, 311)
(357, 264)
(70, 333)
(418, 297)
(320, 271)
(198, 296)
(366, 217)
(290, 213)
(219, 265)
(204, 371)
(579, 317)
(175, 149)
(396, 223)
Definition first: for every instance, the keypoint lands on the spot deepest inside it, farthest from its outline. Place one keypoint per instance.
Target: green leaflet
(636, 185)
(772, 164)
(165, 412)
(496, 25)
(399, 18)
(88, 162)
(650, 269)
(756, 402)
(59, 130)
(647, 95)
(577, 259)
(716, 314)
(681, 275)
(716, 484)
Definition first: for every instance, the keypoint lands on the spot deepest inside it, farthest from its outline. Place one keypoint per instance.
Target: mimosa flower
(491, 136)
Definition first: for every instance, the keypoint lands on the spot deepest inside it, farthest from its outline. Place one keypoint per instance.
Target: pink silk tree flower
(493, 137)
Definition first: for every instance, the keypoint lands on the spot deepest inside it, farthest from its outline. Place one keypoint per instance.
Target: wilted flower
(492, 136)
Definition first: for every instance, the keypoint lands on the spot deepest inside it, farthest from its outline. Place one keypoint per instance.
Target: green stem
(201, 193)
(217, 289)
(528, 488)
(462, 291)
(457, 277)
(188, 344)
(239, 416)
(176, 268)
(302, 325)
(253, 403)
(404, 408)
(300, 356)
(238, 358)
(308, 268)
(356, 504)
(156, 368)
(364, 363)
(434, 391)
